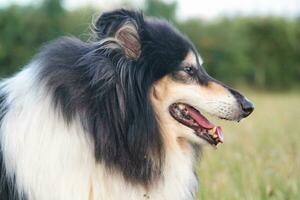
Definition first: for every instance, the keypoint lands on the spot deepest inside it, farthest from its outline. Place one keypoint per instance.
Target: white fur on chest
(55, 161)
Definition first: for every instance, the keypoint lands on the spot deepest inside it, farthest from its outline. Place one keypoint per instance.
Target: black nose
(247, 107)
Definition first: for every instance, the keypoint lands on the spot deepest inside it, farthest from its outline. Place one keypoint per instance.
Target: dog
(117, 118)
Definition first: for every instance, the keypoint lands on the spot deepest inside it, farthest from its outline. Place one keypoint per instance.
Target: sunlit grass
(260, 158)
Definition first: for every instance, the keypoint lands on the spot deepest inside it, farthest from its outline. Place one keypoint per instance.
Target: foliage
(161, 9)
(262, 52)
(25, 29)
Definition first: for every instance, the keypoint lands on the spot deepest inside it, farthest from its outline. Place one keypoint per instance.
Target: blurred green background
(260, 55)
(263, 52)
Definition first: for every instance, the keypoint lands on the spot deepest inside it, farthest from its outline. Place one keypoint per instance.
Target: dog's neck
(177, 182)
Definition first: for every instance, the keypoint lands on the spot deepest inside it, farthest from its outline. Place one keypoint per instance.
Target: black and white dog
(119, 118)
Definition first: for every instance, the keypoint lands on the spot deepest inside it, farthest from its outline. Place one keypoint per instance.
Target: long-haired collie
(119, 118)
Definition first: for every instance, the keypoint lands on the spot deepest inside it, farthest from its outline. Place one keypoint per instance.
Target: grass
(260, 158)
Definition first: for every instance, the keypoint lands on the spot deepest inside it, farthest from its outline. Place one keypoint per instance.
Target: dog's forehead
(193, 59)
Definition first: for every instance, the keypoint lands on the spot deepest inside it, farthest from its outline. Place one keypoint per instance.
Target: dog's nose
(247, 107)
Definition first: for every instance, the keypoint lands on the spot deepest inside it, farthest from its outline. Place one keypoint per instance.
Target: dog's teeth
(186, 112)
(181, 107)
(212, 131)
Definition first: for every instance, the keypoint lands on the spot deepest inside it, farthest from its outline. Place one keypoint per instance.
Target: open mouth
(192, 118)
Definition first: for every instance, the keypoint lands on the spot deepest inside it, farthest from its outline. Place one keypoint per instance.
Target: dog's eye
(189, 70)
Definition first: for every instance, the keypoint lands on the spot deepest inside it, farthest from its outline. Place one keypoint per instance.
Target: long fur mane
(111, 98)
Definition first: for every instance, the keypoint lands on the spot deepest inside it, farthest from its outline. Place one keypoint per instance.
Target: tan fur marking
(155, 95)
(183, 144)
(190, 59)
(166, 84)
(163, 115)
(168, 125)
(216, 89)
(160, 88)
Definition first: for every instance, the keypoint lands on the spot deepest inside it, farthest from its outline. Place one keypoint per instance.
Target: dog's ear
(123, 26)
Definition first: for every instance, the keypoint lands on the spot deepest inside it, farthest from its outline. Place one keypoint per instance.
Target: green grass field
(260, 158)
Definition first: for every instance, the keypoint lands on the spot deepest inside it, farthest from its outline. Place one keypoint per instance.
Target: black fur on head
(107, 84)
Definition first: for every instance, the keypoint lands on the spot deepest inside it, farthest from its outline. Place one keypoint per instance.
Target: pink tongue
(201, 120)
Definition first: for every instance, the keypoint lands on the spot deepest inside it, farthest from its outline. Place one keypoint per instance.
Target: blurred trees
(161, 9)
(259, 51)
(263, 52)
(23, 30)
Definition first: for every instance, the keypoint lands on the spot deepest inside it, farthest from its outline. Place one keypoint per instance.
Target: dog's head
(139, 89)
(167, 69)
